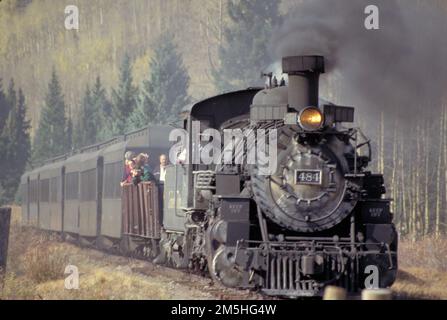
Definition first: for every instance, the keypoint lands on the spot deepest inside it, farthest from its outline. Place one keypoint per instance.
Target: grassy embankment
(37, 261)
(36, 264)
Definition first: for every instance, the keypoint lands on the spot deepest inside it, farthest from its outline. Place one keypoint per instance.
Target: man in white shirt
(161, 172)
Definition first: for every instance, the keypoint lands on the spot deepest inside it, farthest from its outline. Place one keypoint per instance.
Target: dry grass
(45, 262)
(37, 261)
(36, 264)
(17, 288)
(40, 256)
(33, 258)
(422, 269)
(36, 271)
(418, 283)
(428, 253)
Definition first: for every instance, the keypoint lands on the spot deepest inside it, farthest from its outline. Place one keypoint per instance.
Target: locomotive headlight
(311, 119)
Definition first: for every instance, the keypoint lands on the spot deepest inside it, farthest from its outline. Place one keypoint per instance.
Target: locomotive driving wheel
(220, 259)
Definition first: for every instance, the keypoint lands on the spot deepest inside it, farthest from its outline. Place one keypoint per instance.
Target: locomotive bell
(304, 73)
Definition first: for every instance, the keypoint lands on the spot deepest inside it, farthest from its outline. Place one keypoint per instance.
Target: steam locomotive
(317, 217)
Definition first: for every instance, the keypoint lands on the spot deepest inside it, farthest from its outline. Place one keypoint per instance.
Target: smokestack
(304, 73)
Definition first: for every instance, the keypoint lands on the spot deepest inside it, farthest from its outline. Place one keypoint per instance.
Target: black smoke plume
(400, 67)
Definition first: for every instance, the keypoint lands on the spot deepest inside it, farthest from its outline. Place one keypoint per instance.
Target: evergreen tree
(4, 107)
(77, 133)
(4, 141)
(93, 121)
(103, 111)
(15, 144)
(123, 99)
(165, 92)
(11, 96)
(3, 200)
(69, 132)
(8, 144)
(243, 53)
(50, 139)
(87, 120)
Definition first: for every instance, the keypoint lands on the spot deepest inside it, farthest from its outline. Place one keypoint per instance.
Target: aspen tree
(438, 176)
(393, 170)
(416, 181)
(402, 190)
(426, 181)
(444, 149)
